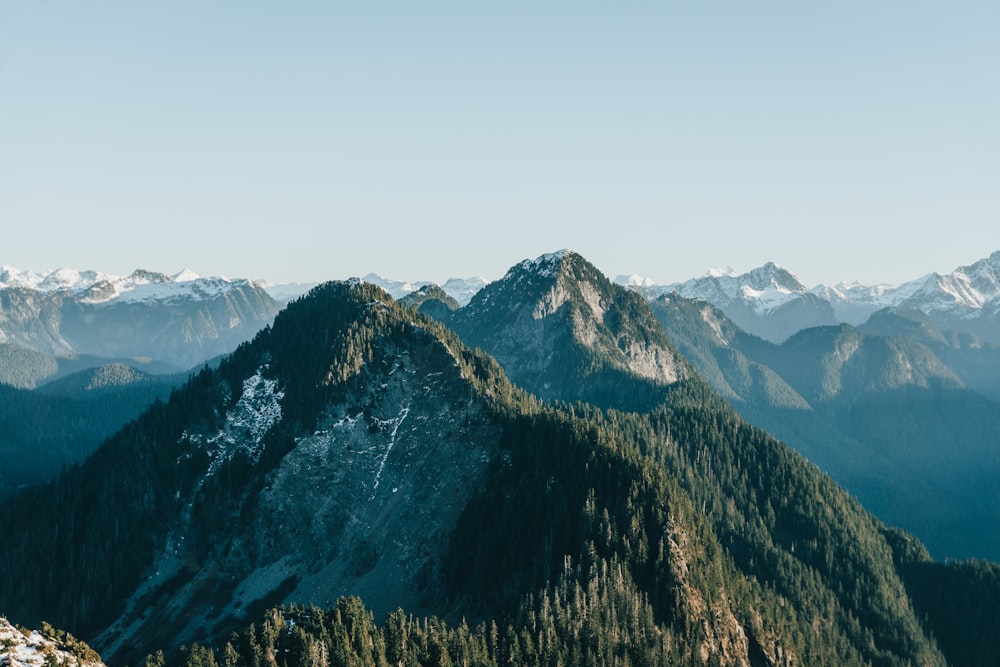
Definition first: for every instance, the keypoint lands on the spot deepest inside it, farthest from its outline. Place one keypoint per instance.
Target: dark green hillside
(961, 602)
(884, 415)
(974, 361)
(25, 368)
(938, 438)
(713, 344)
(115, 379)
(432, 301)
(45, 430)
(618, 562)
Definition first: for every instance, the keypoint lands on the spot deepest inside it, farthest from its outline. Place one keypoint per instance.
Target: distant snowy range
(143, 285)
(57, 322)
(183, 318)
(771, 302)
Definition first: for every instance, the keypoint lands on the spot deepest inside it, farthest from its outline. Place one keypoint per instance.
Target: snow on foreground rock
(33, 648)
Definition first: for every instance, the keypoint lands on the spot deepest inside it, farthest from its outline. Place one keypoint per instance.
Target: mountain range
(552, 473)
(460, 289)
(41, 313)
(178, 321)
(99, 349)
(772, 303)
(67, 312)
(880, 412)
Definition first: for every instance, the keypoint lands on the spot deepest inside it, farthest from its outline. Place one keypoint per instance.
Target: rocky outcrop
(43, 648)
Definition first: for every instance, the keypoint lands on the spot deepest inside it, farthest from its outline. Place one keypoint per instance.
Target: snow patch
(547, 264)
(768, 299)
(49, 281)
(185, 275)
(33, 649)
(397, 422)
(258, 409)
(725, 272)
(146, 287)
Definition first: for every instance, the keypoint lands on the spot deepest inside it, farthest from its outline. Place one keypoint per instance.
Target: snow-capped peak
(635, 280)
(49, 281)
(185, 275)
(142, 285)
(765, 288)
(772, 276)
(962, 292)
(97, 287)
(546, 264)
(725, 272)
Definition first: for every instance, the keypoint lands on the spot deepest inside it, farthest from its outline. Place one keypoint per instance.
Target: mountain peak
(551, 280)
(564, 331)
(144, 275)
(547, 263)
(185, 275)
(49, 281)
(724, 272)
(771, 275)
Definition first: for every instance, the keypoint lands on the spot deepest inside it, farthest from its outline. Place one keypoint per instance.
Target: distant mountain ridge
(460, 289)
(768, 301)
(891, 410)
(773, 303)
(96, 287)
(64, 421)
(181, 320)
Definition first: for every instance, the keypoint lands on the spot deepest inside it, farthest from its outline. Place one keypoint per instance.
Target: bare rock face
(361, 504)
(33, 320)
(563, 331)
(373, 493)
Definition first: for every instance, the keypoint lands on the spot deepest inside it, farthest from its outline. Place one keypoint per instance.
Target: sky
(305, 141)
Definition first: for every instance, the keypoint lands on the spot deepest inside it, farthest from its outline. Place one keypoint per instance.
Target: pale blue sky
(314, 140)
